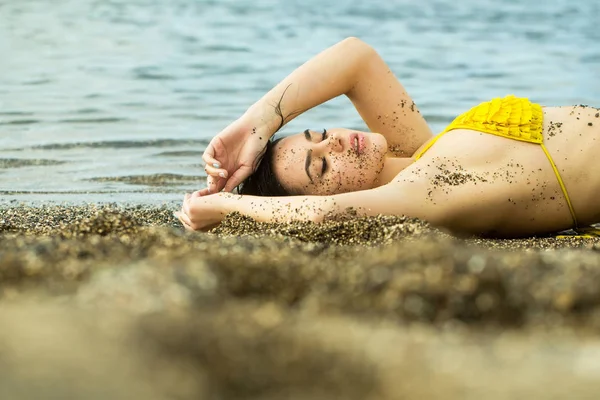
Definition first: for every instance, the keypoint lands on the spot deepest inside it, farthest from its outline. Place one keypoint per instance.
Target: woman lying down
(506, 168)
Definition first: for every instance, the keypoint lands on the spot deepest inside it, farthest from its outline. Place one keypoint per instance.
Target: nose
(333, 143)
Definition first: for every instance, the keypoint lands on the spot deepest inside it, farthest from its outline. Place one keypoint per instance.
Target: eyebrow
(308, 155)
(307, 135)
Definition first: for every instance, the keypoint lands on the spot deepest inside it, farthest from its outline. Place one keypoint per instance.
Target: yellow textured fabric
(561, 183)
(511, 117)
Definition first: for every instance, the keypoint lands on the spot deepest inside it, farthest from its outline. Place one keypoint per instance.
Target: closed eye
(324, 166)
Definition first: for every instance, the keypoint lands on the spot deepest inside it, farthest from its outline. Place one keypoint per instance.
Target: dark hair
(264, 182)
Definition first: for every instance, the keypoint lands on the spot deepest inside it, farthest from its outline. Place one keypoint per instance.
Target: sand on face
(112, 302)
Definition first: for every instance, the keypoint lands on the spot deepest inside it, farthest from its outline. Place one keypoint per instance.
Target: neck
(392, 167)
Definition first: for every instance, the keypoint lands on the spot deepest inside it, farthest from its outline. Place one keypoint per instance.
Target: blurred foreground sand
(120, 303)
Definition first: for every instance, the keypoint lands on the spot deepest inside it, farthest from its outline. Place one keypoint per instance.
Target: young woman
(506, 168)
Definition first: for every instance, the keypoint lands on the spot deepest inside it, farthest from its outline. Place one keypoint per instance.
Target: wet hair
(264, 182)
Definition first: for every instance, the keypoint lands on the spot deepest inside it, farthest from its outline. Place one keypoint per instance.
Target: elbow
(323, 208)
(353, 40)
(357, 46)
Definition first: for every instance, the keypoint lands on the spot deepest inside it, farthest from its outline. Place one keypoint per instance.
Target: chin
(379, 144)
(379, 139)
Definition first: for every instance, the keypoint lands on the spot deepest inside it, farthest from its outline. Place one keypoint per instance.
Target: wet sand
(117, 302)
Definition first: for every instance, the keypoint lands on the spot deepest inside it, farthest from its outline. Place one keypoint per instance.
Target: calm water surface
(116, 100)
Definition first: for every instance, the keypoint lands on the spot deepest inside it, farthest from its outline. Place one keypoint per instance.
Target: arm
(350, 67)
(201, 212)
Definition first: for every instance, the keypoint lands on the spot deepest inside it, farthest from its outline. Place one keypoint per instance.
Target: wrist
(226, 202)
(261, 118)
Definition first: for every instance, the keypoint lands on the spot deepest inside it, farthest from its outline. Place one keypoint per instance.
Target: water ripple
(183, 153)
(16, 113)
(27, 162)
(20, 122)
(151, 73)
(92, 120)
(151, 180)
(119, 144)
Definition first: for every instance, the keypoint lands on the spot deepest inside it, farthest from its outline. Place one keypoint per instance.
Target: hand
(232, 155)
(201, 210)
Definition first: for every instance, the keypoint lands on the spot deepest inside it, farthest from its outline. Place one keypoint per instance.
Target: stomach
(572, 137)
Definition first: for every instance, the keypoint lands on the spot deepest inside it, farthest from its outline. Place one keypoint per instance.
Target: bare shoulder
(417, 194)
(449, 196)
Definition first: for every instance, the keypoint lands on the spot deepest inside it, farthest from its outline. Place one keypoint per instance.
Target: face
(329, 162)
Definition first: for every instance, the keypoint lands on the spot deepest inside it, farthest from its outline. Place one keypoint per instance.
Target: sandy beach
(120, 302)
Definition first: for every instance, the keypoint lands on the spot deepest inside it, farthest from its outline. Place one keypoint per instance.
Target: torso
(486, 184)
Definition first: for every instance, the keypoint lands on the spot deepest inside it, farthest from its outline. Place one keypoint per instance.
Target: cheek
(358, 173)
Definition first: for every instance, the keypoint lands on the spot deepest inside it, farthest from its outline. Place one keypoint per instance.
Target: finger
(219, 183)
(215, 185)
(185, 221)
(200, 193)
(215, 171)
(187, 207)
(211, 184)
(186, 203)
(237, 177)
(209, 156)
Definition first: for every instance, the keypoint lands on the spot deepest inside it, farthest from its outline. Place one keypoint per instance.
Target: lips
(357, 142)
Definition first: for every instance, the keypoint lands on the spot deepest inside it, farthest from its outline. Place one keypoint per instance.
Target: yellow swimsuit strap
(561, 183)
(428, 145)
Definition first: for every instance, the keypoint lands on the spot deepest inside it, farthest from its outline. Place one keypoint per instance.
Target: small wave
(487, 75)
(151, 73)
(27, 162)
(15, 113)
(118, 144)
(21, 122)
(435, 118)
(87, 111)
(228, 48)
(37, 82)
(199, 66)
(92, 120)
(150, 180)
(183, 153)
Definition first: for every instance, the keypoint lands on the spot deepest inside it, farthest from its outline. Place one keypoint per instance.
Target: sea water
(116, 100)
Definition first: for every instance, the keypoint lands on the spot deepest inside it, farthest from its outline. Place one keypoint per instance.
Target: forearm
(314, 208)
(329, 74)
(278, 209)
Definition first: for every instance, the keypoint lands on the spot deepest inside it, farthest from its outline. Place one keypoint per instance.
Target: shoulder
(414, 193)
(441, 196)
